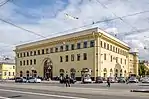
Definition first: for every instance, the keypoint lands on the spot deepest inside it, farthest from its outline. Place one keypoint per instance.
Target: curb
(140, 90)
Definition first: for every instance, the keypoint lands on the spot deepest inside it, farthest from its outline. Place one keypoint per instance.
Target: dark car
(121, 80)
(99, 80)
(63, 80)
(21, 79)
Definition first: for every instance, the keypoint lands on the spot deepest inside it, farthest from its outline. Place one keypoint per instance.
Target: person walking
(108, 82)
(67, 81)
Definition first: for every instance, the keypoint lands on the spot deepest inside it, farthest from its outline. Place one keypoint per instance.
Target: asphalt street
(59, 91)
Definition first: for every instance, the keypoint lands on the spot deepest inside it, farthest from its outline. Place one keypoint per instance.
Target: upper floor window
(66, 58)
(116, 49)
(42, 51)
(24, 54)
(9, 73)
(105, 56)
(78, 45)
(13, 74)
(61, 59)
(34, 61)
(34, 52)
(116, 59)
(111, 58)
(72, 57)
(20, 54)
(113, 49)
(110, 47)
(78, 57)
(121, 60)
(27, 53)
(67, 47)
(104, 45)
(92, 43)
(38, 52)
(13, 67)
(5, 73)
(61, 48)
(47, 51)
(56, 49)
(27, 63)
(31, 62)
(72, 46)
(85, 56)
(101, 44)
(31, 53)
(24, 62)
(85, 44)
(107, 46)
(125, 61)
(51, 50)
(20, 63)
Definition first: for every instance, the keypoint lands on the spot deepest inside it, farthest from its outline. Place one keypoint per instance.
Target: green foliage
(143, 70)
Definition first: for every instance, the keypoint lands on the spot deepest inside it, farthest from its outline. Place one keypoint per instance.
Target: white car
(34, 80)
(87, 80)
(145, 80)
(133, 80)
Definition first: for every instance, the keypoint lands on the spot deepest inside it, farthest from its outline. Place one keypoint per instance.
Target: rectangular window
(78, 45)
(107, 46)
(24, 54)
(24, 62)
(9, 73)
(125, 61)
(72, 46)
(56, 49)
(51, 50)
(116, 59)
(101, 44)
(92, 43)
(31, 62)
(113, 49)
(61, 48)
(13, 67)
(66, 58)
(31, 53)
(104, 45)
(85, 56)
(27, 53)
(72, 57)
(38, 52)
(121, 60)
(5, 73)
(34, 52)
(34, 61)
(116, 49)
(20, 63)
(85, 44)
(111, 58)
(105, 57)
(27, 63)
(47, 51)
(42, 51)
(110, 47)
(20, 54)
(61, 59)
(78, 57)
(67, 47)
(13, 74)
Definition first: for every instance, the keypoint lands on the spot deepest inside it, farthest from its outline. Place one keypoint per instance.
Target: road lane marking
(4, 97)
(41, 94)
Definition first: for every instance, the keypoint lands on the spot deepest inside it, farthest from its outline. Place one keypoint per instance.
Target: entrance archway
(62, 72)
(21, 73)
(48, 69)
(27, 73)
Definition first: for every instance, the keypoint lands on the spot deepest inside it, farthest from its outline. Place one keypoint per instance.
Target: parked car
(21, 79)
(133, 80)
(86, 79)
(112, 80)
(34, 80)
(99, 80)
(73, 80)
(121, 80)
(145, 80)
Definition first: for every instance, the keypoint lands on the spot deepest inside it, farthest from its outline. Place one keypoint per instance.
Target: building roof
(74, 34)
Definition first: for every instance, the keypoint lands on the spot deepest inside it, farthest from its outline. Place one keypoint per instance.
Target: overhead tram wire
(4, 3)
(104, 6)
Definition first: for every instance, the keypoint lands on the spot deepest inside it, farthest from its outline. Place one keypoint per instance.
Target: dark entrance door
(48, 70)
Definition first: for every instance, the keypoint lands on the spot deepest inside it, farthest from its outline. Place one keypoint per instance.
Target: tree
(143, 70)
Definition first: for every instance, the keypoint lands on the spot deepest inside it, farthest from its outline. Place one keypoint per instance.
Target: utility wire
(3, 3)
(104, 6)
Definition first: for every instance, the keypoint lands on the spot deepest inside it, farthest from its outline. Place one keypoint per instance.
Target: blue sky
(47, 17)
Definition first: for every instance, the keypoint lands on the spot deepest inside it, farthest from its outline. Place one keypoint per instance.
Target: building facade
(90, 51)
(7, 70)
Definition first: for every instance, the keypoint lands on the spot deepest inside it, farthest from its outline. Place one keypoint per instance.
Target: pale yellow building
(93, 51)
(7, 70)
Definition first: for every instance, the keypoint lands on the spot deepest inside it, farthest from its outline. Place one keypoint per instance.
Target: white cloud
(54, 20)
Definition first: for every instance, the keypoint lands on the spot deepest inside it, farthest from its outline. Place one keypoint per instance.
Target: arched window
(104, 70)
(61, 72)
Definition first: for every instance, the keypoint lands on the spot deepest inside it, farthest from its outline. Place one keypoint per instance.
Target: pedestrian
(67, 81)
(108, 82)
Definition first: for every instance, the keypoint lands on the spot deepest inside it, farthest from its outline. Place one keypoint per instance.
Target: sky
(47, 18)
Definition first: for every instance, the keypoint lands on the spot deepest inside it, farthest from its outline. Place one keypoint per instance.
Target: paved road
(58, 91)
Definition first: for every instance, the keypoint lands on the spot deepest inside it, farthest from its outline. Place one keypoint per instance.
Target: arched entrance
(34, 73)
(121, 73)
(48, 69)
(21, 73)
(118, 70)
(27, 73)
(61, 71)
(72, 73)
